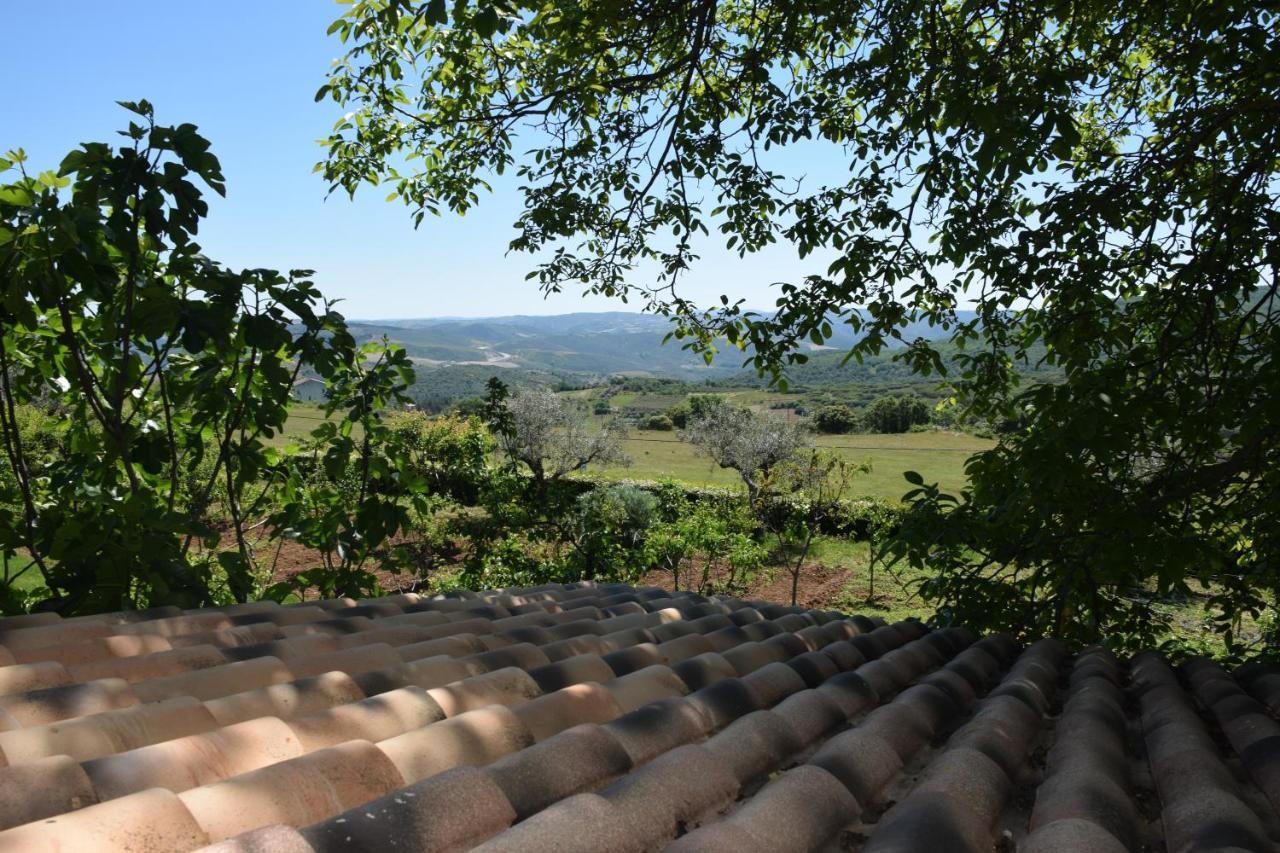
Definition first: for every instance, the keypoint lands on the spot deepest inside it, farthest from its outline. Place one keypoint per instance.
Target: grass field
(937, 456)
(303, 417)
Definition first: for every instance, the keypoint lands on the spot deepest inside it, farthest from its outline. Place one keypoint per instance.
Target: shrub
(696, 407)
(835, 420)
(895, 414)
(608, 530)
(449, 454)
(658, 423)
(712, 534)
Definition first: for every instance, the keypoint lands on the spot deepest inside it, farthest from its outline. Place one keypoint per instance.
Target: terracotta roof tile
(44, 788)
(585, 823)
(151, 821)
(37, 707)
(600, 717)
(755, 745)
(583, 758)
(507, 686)
(142, 667)
(678, 789)
(471, 739)
(39, 675)
(189, 762)
(295, 698)
(108, 732)
(376, 718)
(554, 712)
(587, 667)
(655, 728)
(646, 685)
(797, 812)
(454, 810)
(216, 681)
(298, 791)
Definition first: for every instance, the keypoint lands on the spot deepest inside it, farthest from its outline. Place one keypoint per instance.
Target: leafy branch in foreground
(163, 375)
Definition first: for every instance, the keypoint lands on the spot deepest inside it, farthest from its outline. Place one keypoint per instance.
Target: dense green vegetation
(154, 456)
(142, 385)
(1094, 183)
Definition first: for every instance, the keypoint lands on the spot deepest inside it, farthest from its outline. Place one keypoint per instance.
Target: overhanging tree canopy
(1096, 177)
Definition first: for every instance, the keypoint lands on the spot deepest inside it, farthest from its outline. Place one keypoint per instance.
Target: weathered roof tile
(599, 717)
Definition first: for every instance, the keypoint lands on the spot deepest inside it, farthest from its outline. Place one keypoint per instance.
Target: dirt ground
(287, 557)
(819, 584)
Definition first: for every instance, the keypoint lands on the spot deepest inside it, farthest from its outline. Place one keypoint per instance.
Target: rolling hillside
(456, 355)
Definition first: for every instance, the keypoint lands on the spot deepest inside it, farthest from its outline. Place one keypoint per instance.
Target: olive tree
(750, 444)
(1095, 181)
(551, 441)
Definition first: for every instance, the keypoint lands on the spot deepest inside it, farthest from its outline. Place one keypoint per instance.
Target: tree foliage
(835, 420)
(1097, 178)
(608, 529)
(551, 441)
(895, 414)
(750, 444)
(800, 497)
(165, 373)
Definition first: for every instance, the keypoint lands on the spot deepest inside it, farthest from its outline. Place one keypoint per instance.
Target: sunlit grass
(937, 456)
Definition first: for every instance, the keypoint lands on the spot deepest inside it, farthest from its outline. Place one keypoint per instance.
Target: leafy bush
(714, 540)
(169, 372)
(658, 423)
(835, 420)
(801, 496)
(895, 414)
(347, 497)
(696, 407)
(450, 454)
(608, 531)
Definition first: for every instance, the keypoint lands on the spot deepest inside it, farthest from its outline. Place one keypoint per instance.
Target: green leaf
(486, 21)
(16, 195)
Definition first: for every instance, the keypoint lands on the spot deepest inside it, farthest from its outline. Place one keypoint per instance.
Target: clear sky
(246, 72)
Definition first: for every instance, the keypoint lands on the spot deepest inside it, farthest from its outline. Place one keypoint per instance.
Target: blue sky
(246, 73)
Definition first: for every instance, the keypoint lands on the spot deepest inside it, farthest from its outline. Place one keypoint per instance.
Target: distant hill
(456, 355)
(598, 345)
(604, 343)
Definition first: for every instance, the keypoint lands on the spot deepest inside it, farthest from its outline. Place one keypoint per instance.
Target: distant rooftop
(605, 718)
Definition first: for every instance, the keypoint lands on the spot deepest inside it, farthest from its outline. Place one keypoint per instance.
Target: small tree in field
(802, 495)
(742, 441)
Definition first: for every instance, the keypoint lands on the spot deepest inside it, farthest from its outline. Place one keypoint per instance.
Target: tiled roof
(604, 718)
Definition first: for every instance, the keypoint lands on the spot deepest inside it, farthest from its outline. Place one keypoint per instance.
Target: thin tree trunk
(795, 575)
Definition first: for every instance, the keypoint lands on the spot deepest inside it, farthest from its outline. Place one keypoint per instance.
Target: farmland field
(303, 417)
(937, 456)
